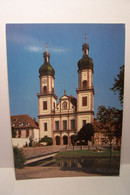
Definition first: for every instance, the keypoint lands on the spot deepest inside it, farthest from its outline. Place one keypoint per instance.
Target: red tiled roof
(73, 100)
(23, 121)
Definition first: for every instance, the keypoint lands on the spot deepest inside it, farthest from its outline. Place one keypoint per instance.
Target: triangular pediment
(64, 97)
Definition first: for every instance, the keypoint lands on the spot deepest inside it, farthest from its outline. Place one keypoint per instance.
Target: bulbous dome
(85, 63)
(46, 69)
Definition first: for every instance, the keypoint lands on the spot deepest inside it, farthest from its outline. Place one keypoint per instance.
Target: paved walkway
(48, 172)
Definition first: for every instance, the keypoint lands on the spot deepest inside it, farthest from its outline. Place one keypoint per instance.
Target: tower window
(84, 101)
(44, 89)
(65, 125)
(57, 125)
(45, 126)
(84, 84)
(44, 105)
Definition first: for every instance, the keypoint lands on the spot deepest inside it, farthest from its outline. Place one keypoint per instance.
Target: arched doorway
(57, 140)
(65, 140)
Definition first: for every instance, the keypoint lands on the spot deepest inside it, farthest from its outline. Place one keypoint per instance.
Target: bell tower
(85, 91)
(46, 98)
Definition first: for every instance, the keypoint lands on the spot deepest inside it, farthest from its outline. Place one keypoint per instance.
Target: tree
(118, 86)
(74, 139)
(30, 141)
(86, 133)
(19, 157)
(118, 126)
(108, 119)
(13, 132)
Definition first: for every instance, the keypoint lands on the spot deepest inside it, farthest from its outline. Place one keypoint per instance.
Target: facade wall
(36, 134)
(70, 108)
(89, 106)
(48, 100)
(23, 133)
(47, 81)
(20, 142)
(81, 118)
(44, 132)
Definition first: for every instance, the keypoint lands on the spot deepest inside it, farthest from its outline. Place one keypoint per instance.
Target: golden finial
(46, 45)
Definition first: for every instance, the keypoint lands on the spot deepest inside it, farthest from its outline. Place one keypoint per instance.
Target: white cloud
(33, 48)
(40, 49)
(31, 44)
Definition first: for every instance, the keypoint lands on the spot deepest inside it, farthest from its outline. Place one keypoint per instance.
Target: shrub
(30, 141)
(19, 157)
(47, 139)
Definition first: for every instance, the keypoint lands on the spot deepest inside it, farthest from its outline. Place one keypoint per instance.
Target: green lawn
(105, 152)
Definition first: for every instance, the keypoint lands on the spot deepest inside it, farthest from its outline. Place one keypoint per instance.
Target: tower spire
(85, 37)
(85, 46)
(46, 55)
(46, 45)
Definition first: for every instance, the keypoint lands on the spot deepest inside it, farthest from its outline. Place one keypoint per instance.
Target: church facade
(64, 119)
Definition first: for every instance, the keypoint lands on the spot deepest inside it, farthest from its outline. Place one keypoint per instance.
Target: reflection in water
(94, 165)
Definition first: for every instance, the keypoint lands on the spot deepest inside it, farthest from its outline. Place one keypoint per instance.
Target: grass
(77, 153)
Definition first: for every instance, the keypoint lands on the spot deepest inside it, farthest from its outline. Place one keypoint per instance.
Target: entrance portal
(57, 140)
(65, 140)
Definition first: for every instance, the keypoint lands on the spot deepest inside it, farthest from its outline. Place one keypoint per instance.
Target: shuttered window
(84, 101)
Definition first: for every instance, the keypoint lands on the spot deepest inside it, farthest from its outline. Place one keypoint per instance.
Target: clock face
(44, 81)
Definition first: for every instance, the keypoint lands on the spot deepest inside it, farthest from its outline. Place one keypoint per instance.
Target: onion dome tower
(85, 62)
(46, 68)
(85, 91)
(46, 98)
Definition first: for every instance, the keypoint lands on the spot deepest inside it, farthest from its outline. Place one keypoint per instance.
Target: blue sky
(25, 47)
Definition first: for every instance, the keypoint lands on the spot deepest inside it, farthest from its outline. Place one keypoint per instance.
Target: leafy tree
(19, 157)
(74, 139)
(86, 133)
(118, 125)
(13, 132)
(108, 119)
(118, 86)
(47, 139)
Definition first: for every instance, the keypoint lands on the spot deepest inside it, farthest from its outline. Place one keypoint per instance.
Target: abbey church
(62, 120)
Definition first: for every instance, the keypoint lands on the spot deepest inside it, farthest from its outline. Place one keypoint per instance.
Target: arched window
(44, 89)
(57, 140)
(84, 84)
